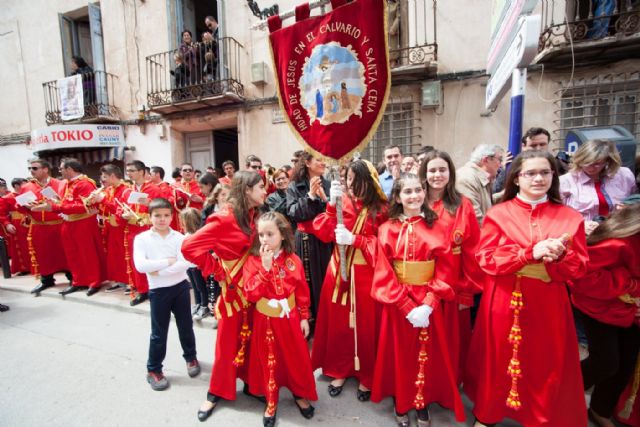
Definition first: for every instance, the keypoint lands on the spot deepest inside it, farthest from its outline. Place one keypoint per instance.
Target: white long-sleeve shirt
(151, 252)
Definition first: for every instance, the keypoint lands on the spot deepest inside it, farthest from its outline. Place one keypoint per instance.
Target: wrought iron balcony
(593, 31)
(98, 90)
(193, 77)
(413, 47)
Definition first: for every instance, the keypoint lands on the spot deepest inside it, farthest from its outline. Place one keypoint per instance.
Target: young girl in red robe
(341, 347)
(460, 270)
(221, 248)
(607, 300)
(274, 281)
(523, 362)
(412, 351)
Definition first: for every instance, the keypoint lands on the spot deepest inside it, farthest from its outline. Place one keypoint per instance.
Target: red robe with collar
(550, 388)
(82, 240)
(223, 236)
(461, 271)
(289, 347)
(44, 237)
(190, 187)
(334, 341)
(397, 364)
(17, 243)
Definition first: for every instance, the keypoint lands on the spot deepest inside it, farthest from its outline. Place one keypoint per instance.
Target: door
(226, 146)
(95, 24)
(200, 149)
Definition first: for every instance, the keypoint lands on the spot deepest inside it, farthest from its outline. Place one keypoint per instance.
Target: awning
(85, 156)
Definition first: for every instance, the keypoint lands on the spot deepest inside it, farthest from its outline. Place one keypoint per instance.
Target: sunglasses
(187, 170)
(34, 168)
(255, 167)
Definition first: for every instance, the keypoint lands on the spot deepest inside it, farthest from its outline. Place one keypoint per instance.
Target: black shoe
(269, 421)
(70, 289)
(140, 298)
(23, 273)
(246, 391)
(41, 287)
(402, 420)
(364, 396)
(92, 291)
(334, 391)
(203, 415)
(68, 275)
(306, 412)
(4, 308)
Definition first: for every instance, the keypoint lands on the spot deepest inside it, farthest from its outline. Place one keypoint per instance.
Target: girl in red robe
(274, 281)
(228, 235)
(412, 352)
(607, 300)
(523, 362)
(340, 347)
(460, 270)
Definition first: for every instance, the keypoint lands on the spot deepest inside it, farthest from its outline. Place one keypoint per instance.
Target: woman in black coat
(307, 197)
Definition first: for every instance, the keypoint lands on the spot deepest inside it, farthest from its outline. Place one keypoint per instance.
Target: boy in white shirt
(156, 252)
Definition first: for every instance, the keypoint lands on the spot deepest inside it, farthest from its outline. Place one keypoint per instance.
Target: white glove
(335, 192)
(273, 303)
(419, 316)
(343, 236)
(284, 303)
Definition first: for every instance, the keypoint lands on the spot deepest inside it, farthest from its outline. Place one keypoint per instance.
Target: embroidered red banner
(332, 75)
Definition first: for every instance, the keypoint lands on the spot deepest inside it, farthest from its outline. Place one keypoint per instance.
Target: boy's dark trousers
(163, 302)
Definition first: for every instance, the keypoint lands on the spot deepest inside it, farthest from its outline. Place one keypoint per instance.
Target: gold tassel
(127, 258)
(625, 413)
(32, 253)
(245, 333)
(514, 370)
(272, 387)
(418, 402)
(356, 363)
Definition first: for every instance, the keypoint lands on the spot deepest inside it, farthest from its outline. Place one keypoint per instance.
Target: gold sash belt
(263, 306)
(415, 273)
(535, 271)
(52, 222)
(16, 215)
(78, 217)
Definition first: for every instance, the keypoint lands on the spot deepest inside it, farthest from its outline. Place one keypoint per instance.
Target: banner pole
(335, 176)
(518, 83)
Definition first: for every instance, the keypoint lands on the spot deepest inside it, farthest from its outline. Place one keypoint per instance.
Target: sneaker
(201, 313)
(116, 286)
(195, 308)
(193, 368)
(158, 381)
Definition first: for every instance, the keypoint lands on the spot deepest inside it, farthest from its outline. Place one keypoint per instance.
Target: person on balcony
(208, 51)
(180, 73)
(80, 66)
(189, 51)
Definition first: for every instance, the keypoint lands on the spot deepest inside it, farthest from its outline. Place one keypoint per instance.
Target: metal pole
(335, 175)
(518, 82)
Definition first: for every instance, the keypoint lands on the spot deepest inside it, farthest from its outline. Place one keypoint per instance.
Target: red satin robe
(82, 240)
(397, 363)
(182, 199)
(114, 234)
(461, 271)
(18, 245)
(44, 238)
(134, 227)
(334, 341)
(550, 386)
(223, 235)
(288, 347)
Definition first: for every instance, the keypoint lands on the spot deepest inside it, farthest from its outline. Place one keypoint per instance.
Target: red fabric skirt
(83, 247)
(397, 364)
(140, 282)
(333, 344)
(116, 259)
(46, 245)
(292, 362)
(18, 247)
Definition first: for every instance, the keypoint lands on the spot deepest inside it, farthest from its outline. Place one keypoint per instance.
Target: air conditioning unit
(431, 94)
(259, 73)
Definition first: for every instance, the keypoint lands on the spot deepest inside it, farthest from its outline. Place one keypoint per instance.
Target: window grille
(604, 100)
(399, 126)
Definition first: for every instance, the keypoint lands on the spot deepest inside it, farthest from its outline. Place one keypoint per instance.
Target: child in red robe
(523, 361)
(413, 363)
(341, 347)
(274, 281)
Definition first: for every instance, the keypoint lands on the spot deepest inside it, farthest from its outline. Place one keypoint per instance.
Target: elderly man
(393, 162)
(474, 180)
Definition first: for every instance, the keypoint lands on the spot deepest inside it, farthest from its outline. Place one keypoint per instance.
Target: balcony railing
(412, 33)
(615, 23)
(98, 90)
(196, 76)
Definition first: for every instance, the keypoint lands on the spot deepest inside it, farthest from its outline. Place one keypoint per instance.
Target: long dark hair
(396, 209)
(510, 187)
(620, 224)
(364, 188)
(288, 242)
(242, 181)
(451, 198)
(300, 171)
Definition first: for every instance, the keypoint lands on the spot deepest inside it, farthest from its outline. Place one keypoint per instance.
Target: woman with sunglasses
(524, 362)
